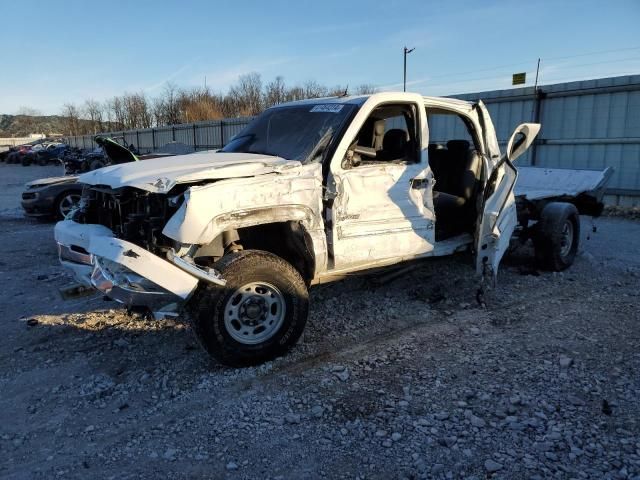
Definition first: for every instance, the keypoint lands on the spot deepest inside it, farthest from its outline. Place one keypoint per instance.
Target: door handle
(418, 182)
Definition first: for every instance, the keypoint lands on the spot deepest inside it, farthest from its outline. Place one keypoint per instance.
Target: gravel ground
(403, 378)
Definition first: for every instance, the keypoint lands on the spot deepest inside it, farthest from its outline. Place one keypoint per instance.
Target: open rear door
(498, 217)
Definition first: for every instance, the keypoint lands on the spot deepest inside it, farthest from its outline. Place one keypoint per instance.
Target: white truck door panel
(498, 218)
(380, 213)
(497, 222)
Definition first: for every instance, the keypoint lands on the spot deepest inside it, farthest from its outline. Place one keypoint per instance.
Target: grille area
(133, 215)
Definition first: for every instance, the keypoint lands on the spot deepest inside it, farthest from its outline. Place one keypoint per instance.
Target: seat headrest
(394, 140)
(458, 145)
(379, 127)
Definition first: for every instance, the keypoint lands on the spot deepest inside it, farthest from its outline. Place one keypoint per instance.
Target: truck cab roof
(381, 96)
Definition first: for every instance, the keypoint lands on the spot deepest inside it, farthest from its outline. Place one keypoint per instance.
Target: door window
(389, 135)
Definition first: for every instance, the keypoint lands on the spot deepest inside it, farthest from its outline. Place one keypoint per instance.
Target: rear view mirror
(522, 137)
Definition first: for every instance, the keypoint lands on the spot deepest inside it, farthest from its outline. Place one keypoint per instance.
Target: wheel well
(288, 240)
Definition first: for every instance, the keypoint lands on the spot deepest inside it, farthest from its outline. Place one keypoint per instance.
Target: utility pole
(535, 105)
(406, 52)
(535, 86)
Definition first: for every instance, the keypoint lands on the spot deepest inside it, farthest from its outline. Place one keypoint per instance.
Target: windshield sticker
(327, 108)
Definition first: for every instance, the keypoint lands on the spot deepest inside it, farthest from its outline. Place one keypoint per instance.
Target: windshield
(301, 132)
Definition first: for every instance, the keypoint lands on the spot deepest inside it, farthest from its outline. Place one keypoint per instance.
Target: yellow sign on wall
(519, 78)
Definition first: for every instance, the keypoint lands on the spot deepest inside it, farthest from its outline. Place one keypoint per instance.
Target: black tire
(42, 160)
(210, 303)
(26, 160)
(557, 236)
(96, 164)
(58, 213)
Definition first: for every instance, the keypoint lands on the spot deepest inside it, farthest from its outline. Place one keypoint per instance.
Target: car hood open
(117, 153)
(160, 175)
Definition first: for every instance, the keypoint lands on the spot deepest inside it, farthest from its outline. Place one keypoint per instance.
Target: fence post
(173, 134)
(539, 96)
(221, 134)
(138, 140)
(83, 145)
(195, 138)
(153, 138)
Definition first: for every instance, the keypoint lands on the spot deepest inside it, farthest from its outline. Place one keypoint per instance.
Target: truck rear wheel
(557, 237)
(257, 316)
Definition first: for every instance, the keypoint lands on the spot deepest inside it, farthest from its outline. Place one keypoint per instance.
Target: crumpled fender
(209, 210)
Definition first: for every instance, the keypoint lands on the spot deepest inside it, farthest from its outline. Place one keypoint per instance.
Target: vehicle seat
(394, 145)
(378, 135)
(464, 171)
(454, 201)
(438, 164)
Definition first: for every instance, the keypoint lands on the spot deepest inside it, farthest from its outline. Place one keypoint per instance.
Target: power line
(604, 61)
(531, 63)
(497, 75)
(593, 53)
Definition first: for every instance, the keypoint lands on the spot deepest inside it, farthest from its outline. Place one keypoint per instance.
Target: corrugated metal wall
(201, 135)
(588, 124)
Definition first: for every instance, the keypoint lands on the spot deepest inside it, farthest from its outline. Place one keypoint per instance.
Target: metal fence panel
(163, 136)
(145, 143)
(587, 124)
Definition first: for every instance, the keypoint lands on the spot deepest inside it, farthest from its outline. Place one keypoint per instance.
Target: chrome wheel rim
(67, 203)
(254, 313)
(566, 241)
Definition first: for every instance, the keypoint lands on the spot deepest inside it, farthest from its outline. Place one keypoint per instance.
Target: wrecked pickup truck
(307, 193)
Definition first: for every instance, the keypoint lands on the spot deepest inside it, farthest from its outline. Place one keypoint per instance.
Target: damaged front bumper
(122, 270)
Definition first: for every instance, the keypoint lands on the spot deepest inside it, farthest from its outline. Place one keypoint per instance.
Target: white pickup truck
(308, 192)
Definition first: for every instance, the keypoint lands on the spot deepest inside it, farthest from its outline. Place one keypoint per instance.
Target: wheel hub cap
(67, 203)
(254, 313)
(567, 239)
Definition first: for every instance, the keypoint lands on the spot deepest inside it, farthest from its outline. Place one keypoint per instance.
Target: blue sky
(56, 52)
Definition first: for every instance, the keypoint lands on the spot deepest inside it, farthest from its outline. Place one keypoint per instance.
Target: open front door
(498, 217)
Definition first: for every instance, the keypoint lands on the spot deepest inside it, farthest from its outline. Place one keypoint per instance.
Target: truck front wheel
(557, 236)
(257, 316)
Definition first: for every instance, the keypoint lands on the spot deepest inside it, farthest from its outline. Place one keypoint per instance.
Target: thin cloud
(175, 74)
(327, 28)
(223, 78)
(395, 86)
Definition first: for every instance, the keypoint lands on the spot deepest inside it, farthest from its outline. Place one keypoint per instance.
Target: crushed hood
(159, 175)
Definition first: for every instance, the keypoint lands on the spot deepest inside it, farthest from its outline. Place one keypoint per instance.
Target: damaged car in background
(55, 197)
(309, 192)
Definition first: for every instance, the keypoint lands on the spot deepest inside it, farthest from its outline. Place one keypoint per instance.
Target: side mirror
(521, 138)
